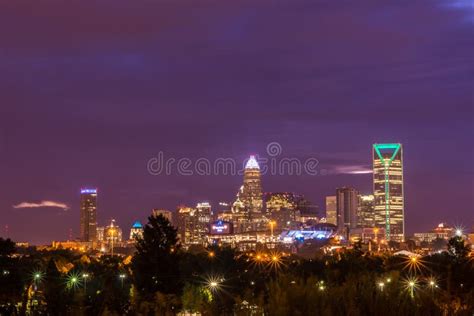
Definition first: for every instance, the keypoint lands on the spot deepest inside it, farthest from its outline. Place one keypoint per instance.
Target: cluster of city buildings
(274, 219)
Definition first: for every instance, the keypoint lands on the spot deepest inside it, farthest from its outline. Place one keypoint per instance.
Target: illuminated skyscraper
(346, 203)
(331, 210)
(388, 190)
(251, 194)
(193, 223)
(365, 211)
(88, 215)
(165, 213)
(282, 208)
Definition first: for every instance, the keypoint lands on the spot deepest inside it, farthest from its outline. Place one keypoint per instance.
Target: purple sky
(90, 90)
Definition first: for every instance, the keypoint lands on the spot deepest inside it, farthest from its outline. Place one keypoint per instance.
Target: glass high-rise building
(88, 225)
(388, 190)
(346, 205)
(365, 211)
(331, 210)
(251, 194)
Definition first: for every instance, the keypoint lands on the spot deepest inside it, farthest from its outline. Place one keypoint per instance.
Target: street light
(321, 286)
(272, 224)
(122, 276)
(73, 281)
(214, 283)
(381, 285)
(37, 276)
(411, 284)
(432, 283)
(85, 276)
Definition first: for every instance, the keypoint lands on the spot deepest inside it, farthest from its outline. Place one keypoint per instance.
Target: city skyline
(90, 105)
(251, 173)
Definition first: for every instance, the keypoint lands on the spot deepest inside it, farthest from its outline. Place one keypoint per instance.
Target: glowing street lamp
(321, 286)
(275, 261)
(122, 277)
(432, 283)
(414, 264)
(73, 281)
(37, 276)
(85, 276)
(411, 284)
(381, 285)
(214, 283)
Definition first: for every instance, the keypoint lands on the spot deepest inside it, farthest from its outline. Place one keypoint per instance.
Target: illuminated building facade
(367, 234)
(365, 211)
(346, 206)
(112, 233)
(100, 233)
(388, 190)
(442, 231)
(193, 223)
(136, 231)
(88, 225)
(331, 210)
(251, 194)
(282, 208)
(165, 213)
(221, 227)
(318, 231)
(246, 213)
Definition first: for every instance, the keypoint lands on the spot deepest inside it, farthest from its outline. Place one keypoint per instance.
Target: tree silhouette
(155, 265)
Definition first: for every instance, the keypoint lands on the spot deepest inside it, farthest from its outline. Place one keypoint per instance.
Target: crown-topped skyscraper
(251, 194)
(388, 190)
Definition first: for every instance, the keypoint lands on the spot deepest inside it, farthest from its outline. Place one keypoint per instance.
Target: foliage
(223, 281)
(155, 264)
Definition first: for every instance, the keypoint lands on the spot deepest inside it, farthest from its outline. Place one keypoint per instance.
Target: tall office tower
(346, 205)
(331, 210)
(193, 223)
(204, 213)
(88, 225)
(165, 213)
(365, 211)
(388, 190)
(251, 195)
(282, 209)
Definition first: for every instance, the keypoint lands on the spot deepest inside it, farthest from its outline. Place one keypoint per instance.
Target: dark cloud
(91, 90)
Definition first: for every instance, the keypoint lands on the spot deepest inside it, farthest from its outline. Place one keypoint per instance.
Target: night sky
(91, 90)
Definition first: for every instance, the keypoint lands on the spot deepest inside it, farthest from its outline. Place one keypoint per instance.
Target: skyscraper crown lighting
(88, 191)
(252, 163)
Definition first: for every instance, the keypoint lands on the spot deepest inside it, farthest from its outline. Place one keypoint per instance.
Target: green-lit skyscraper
(388, 190)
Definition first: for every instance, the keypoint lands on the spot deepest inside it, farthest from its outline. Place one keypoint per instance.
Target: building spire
(252, 163)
